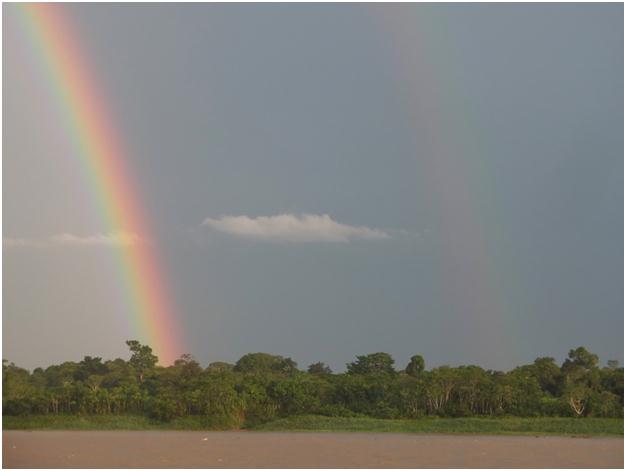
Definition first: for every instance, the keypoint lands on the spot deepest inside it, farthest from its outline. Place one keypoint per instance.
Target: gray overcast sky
(470, 158)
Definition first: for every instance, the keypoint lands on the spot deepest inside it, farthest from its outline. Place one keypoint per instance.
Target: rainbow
(103, 158)
(450, 171)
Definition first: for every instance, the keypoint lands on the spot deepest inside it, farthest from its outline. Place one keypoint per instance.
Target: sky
(325, 181)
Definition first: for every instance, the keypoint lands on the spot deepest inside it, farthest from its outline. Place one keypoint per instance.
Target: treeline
(261, 387)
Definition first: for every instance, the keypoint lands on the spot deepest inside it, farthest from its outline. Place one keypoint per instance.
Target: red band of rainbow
(102, 155)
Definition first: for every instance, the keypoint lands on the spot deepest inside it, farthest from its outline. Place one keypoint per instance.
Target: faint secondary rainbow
(103, 158)
(477, 285)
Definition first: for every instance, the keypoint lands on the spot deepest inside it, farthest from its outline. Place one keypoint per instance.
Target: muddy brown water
(117, 449)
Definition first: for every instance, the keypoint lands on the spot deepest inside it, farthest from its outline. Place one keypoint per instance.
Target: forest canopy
(261, 387)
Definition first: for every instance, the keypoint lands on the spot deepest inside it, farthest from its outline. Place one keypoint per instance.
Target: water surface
(154, 449)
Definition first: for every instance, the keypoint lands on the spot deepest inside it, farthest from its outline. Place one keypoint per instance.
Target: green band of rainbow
(101, 154)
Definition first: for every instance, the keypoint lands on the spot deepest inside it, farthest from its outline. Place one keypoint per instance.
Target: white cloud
(112, 239)
(293, 228)
(12, 242)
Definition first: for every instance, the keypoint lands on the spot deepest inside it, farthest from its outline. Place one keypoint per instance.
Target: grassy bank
(503, 426)
(500, 426)
(102, 422)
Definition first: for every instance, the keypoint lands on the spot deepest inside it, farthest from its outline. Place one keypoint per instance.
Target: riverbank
(472, 425)
(429, 425)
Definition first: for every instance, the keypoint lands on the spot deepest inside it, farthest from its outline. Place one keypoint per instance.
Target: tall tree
(580, 358)
(379, 362)
(142, 358)
(416, 366)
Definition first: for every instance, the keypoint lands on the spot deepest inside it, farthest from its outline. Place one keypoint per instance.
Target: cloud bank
(293, 228)
(114, 239)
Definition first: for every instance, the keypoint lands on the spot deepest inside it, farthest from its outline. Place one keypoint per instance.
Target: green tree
(299, 393)
(580, 358)
(259, 406)
(580, 371)
(612, 364)
(89, 366)
(320, 369)
(471, 383)
(439, 384)
(187, 367)
(577, 396)
(265, 363)
(221, 403)
(262, 386)
(409, 396)
(548, 374)
(416, 366)
(523, 392)
(219, 367)
(142, 358)
(371, 364)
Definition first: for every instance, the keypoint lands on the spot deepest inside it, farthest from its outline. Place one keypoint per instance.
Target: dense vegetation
(261, 388)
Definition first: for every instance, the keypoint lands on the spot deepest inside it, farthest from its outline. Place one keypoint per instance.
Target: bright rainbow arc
(104, 161)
